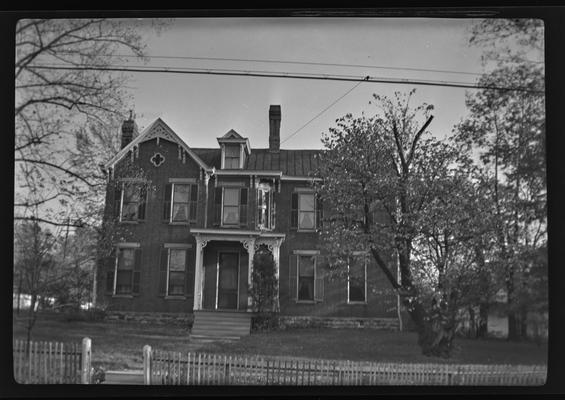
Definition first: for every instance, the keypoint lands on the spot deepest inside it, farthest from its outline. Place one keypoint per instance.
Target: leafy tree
(394, 189)
(506, 131)
(263, 282)
(34, 265)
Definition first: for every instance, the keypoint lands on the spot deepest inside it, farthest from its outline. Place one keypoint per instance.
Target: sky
(201, 108)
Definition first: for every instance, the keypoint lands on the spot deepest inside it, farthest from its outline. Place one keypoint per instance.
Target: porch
(223, 270)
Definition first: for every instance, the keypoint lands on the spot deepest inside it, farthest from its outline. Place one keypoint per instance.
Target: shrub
(264, 322)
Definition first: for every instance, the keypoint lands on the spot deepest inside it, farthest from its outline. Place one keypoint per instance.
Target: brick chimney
(129, 130)
(274, 128)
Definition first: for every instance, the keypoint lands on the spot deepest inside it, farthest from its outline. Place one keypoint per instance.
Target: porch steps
(220, 325)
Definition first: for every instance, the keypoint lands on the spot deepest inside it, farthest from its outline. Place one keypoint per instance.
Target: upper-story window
(306, 211)
(232, 156)
(231, 206)
(180, 202)
(265, 207)
(130, 198)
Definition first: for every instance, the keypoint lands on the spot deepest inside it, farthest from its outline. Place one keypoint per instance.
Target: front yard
(118, 345)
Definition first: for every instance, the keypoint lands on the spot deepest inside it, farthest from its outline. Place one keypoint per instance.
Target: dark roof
(211, 157)
(290, 162)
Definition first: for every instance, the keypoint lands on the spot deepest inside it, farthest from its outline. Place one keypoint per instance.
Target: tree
(67, 119)
(394, 189)
(34, 265)
(506, 130)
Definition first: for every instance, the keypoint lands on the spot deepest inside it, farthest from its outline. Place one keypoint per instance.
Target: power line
(323, 111)
(300, 63)
(349, 78)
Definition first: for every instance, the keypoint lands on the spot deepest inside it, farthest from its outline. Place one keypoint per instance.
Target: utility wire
(323, 111)
(298, 63)
(265, 74)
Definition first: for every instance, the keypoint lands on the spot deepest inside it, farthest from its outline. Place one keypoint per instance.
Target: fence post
(147, 365)
(85, 364)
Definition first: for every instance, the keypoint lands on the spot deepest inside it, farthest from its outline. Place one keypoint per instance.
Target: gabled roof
(157, 129)
(233, 137)
(231, 134)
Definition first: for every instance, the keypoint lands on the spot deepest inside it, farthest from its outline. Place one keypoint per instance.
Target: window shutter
(292, 277)
(273, 210)
(193, 202)
(189, 273)
(142, 202)
(110, 265)
(217, 206)
(294, 211)
(319, 213)
(163, 272)
(117, 200)
(137, 271)
(319, 281)
(243, 206)
(167, 202)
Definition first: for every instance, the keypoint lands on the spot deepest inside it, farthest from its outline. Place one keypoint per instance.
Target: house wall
(152, 233)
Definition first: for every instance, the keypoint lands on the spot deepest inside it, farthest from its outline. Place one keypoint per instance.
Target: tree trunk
(31, 317)
(434, 338)
(473, 331)
(482, 328)
(513, 329)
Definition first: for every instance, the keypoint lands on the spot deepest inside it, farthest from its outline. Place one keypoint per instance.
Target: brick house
(185, 247)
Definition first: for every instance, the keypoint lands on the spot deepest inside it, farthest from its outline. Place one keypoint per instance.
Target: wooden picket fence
(170, 368)
(52, 362)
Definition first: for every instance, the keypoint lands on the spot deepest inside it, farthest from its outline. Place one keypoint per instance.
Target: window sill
(305, 301)
(179, 223)
(122, 296)
(306, 230)
(175, 297)
(356, 303)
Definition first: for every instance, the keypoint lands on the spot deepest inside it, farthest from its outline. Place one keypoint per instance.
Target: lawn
(118, 345)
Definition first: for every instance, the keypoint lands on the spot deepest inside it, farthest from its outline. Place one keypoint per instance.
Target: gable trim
(151, 133)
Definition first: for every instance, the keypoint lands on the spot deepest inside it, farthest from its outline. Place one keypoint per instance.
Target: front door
(228, 278)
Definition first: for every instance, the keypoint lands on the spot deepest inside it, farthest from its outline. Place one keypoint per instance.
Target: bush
(92, 315)
(264, 322)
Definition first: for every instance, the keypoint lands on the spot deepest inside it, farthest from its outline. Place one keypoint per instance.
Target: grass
(119, 345)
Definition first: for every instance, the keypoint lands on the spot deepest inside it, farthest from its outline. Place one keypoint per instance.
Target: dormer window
(232, 156)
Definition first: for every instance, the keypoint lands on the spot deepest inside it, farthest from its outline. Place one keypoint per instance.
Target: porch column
(249, 245)
(199, 272)
(276, 250)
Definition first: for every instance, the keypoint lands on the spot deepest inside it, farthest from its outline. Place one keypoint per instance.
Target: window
(231, 206)
(183, 206)
(306, 211)
(175, 274)
(265, 207)
(126, 273)
(232, 155)
(306, 266)
(306, 276)
(357, 279)
(177, 271)
(130, 199)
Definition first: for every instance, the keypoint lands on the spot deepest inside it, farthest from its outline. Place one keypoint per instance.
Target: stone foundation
(151, 317)
(286, 322)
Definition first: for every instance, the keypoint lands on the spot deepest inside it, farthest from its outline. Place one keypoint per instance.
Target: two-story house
(188, 222)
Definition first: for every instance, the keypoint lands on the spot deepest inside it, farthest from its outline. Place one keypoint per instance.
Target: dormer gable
(235, 150)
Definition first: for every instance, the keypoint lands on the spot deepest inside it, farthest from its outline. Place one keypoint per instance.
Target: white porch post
(276, 256)
(249, 245)
(198, 272)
